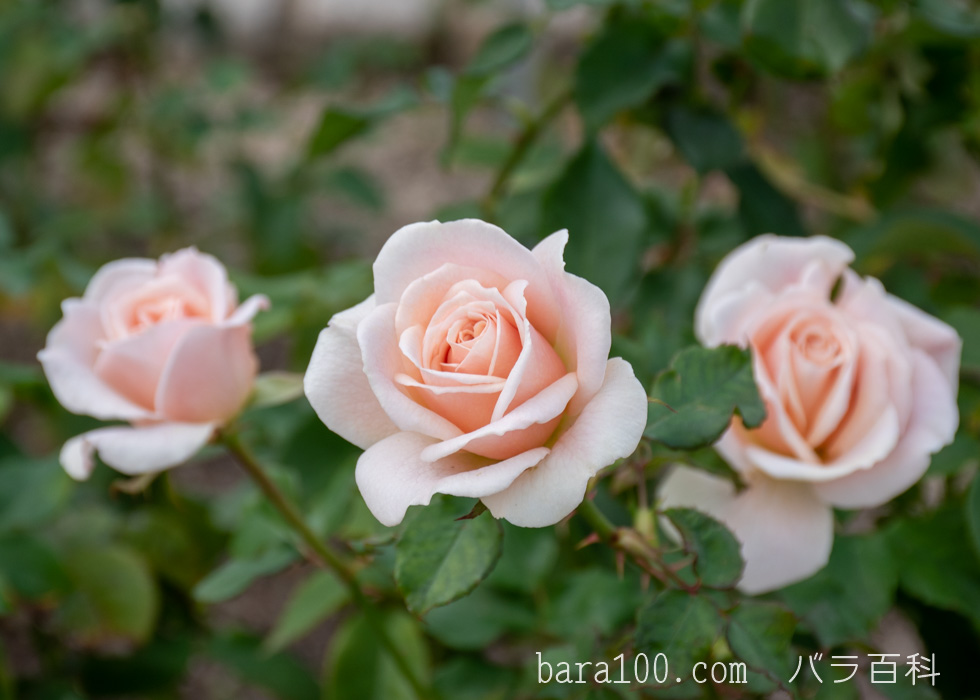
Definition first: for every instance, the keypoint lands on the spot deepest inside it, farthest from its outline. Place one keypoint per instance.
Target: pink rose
(477, 368)
(860, 391)
(163, 345)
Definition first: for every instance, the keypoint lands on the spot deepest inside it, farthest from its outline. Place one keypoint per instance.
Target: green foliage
(309, 604)
(681, 626)
(441, 558)
(717, 559)
(694, 401)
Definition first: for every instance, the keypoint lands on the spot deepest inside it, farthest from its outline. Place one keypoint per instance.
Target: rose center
(463, 335)
(817, 344)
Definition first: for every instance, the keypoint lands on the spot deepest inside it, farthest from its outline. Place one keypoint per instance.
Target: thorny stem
(324, 556)
(630, 542)
(522, 145)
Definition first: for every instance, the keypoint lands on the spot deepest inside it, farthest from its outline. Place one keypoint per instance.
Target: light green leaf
(235, 575)
(702, 390)
(276, 388)
(439, 559)
(718, 559)
(309, 604)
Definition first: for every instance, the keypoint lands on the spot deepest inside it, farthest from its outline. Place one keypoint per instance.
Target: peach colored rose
(477, 368)
(163, 345)
(860, 391)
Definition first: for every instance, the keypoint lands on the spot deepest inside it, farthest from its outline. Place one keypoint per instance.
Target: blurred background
(290, 138)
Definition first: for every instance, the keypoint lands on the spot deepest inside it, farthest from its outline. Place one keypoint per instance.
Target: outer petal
(135, 450)
(936, 338)
(204, 273)
(246, 311)
(585, 334)
(117, 275)
(209, 375)
(391, 475)
(418, 249)
(785, 530)
(773, 263)
(932, 425)
(68, 358)
(608, 428)
(337, 387)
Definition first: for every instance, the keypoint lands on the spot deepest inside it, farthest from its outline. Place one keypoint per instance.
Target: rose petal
(608, 428)
(419, 249)
(247, 310)
(936, 338)
(205, 274)
(786, 532)
(585, 336)
(512, 429)
(932, 425)
(135, 450)
(391, 475)
(209, 376)
(68, 358)
(337, 387)
(774, 263)
(119, 275)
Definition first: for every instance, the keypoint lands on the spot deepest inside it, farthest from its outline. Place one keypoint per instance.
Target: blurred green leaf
(845, 600)
(113, 596)
(761, 207)
(283, 675)
(31, 491)
(606, 221)
(963, 452)
(682, 626)
(966, 321)
(703, 389)
(806, 38)
(310, 603)
(440, 559)
(718, 559)
(236, 575)
(275, 388)
(759, 634)
(32, 568)
(338, 125)
(474, 622)
(626, 64)
(502, 49)
(358, 666)
(973, 512)
(706, 138)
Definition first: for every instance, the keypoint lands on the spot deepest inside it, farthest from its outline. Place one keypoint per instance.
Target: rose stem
(327, 557)
(627, 540)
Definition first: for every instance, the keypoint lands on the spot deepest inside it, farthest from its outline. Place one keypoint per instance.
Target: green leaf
(315, 599)
(718, 559)
(336, 127)
(960, 454)
(502, 49)
(703, 388)
(973, 512)
(759, 634)
(113, 596)
(625, 66)
(359, 667)
(806, 38)
(474, 622)
(32, 568)
(681, 626)
(606, 221)
(558, 5)
(276, 388)
(283, 675)
(845, 600)
(761, 207)
(31, 491)
(235, 575)
(439, 559)
(706, 139)
(966, 321)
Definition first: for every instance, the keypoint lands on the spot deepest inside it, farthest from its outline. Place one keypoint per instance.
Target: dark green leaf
(626, 65)
(283, 675)
(359, 667)
(718, 561)
(973, 512)
(32, 568)
(681, 626)
(31, 491)
(761, 207)
(966, 321)
(336, 127)
(606, 220)
(440, 558)
(474, 622)
(235, 575)
(845, 600)
(309, 604)
(759, 634)
(703, 389)
(706, 139)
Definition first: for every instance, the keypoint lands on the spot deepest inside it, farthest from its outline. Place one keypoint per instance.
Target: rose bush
(163, 345)
(860, 389)
(477, 368)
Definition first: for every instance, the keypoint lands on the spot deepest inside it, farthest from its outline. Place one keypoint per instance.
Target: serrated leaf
(703, 389)
(309, 604)
(440, 559)
(235, 575)
(359, 667)
(682, 626)
(759, 634)
(718, 562)
(624, 66)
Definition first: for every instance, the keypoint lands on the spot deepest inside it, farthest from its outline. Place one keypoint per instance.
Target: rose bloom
(859, 389)
(478, 368)
(163, 345)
